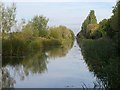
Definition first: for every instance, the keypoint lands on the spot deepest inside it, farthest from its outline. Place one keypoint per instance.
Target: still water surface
(57, 68)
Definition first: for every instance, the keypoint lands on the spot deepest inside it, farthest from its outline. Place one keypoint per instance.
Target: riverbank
(102, 59)
(19, 43)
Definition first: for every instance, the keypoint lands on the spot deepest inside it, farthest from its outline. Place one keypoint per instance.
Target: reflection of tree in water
(61, 51)
(103, 63)
(7, 80)
(34, 62)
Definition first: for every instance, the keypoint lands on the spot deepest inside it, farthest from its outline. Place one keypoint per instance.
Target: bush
(61, 33)
(92, 31)
(95, 35)
(43, 33)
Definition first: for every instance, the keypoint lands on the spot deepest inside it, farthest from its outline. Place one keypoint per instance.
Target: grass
(102, 48)
(41, 43)
(101, 58)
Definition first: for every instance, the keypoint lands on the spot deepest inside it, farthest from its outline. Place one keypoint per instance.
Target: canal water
(58, 68)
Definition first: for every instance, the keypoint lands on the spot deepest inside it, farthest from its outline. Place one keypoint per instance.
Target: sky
(59, 0)
(70, 14)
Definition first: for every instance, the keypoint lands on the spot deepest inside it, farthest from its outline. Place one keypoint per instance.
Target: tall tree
(91, 19)
(7, 17)
(115, 24)
(115, 17)
(40, 23)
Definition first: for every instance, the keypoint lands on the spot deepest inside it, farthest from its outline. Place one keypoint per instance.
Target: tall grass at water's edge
(102, 48)
(19, 47)
(102, 59)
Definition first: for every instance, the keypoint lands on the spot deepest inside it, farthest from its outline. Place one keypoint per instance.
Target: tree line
(100, 46)
(107, 28)
(18, 38)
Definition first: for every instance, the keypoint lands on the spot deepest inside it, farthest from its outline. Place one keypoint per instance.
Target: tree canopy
(37, 26)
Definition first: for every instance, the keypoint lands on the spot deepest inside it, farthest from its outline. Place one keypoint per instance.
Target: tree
(91, 19)
(7, 18)
(92, 31)
(105, 28)
(39, 23)
(60, 33)
(115, 24)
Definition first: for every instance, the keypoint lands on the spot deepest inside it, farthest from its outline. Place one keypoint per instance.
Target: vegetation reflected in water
(102, 61)
(7, 80)
(34, 63)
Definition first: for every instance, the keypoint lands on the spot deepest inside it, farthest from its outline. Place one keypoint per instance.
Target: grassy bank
(102, 48)
(102, 59)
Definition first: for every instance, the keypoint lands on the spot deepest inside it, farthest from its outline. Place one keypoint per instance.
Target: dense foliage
(90, 21)
(37, 26)
(106, 28)
(102, 52)
(62, 33)
(32, 35)
(7, 17)
(100, 56)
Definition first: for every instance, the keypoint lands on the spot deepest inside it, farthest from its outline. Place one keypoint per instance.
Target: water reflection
(34, 63)
(101, 60)
(61, 51)
(7, 80)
